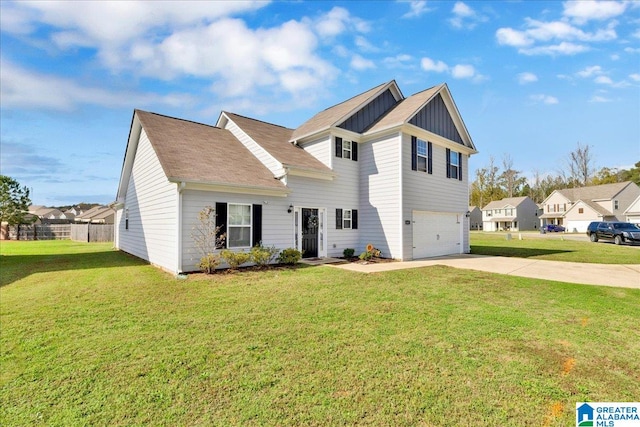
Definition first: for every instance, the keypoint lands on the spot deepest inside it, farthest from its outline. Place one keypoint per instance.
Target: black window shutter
(221, 222)
(460, 166)
(257, 225)
(430, 155)
(338, 219)
(448, 163)
(354, 151)
(338, 146)
(414, 153)
(354, 219)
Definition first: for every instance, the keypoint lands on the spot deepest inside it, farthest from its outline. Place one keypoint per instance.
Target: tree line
(496, 182)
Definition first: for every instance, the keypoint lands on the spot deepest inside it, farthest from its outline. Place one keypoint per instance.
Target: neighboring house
(512, 213)
(475, 218)
(97, 215)
(47, 215)
(632, 214)
(378, 168)
(575, 208)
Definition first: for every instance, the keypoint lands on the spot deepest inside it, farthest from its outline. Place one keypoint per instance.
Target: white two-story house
(575, 208)
(512, 213)
(376, 169)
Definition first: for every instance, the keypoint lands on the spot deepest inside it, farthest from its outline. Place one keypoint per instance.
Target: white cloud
(398, 61)
(458, 71)
(359, 63)
(461, 71)
(615, 57)
(603, 80)
(364, 45)
(563, 48)
(337, 21)
(22, 88)
(594, 70)
(635, 77)
(429, 64)
(599, 99)
(632, 50)
(417, 9)
(584, 11)
(545, 99)
(524, 78)
(511, 37)
(465, 17)
(553, 37)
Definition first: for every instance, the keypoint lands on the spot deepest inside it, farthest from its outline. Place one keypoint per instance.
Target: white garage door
(577, 226)
(435, 234)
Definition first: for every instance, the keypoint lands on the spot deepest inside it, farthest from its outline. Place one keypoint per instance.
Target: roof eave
(227, 187)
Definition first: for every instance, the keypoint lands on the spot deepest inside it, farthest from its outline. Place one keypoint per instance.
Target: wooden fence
(77, 232)
(92, 232)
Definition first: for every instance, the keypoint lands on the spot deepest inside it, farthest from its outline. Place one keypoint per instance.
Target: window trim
(347, 152)
(230, 226)
(345, 219)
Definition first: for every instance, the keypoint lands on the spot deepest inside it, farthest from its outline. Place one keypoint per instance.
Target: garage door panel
(435, 234)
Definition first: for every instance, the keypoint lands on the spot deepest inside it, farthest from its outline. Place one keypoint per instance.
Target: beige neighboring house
(475, 218)
(575, 208)
(632, 214)
(97, 215)
(512, 213)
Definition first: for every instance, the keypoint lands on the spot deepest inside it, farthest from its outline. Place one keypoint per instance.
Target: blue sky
(531, 79)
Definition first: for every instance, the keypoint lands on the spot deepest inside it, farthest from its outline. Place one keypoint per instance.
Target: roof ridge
(137, 110)
(358, 94)
(256, 120)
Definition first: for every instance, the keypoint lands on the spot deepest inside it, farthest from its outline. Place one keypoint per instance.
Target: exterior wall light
(290, 209)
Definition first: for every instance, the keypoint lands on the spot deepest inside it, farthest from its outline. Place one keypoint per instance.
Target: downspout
(181, 187)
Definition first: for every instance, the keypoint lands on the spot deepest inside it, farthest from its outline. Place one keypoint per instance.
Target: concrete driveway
(617, 275)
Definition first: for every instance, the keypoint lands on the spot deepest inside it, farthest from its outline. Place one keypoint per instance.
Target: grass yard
(94, 337)
(553, 248)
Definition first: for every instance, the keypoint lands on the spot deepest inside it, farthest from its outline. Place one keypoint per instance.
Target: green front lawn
(90, 336)
(554, 248)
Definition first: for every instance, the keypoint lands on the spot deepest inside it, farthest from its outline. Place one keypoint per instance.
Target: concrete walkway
(618, 275)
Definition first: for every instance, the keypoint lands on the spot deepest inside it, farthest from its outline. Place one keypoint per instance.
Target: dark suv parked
(619, 232)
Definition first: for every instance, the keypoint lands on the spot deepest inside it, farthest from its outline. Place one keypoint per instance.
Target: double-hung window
(422, 155)
(239, 226)
(346, 149)
(454, 165)
(421, 152)
(346, 219)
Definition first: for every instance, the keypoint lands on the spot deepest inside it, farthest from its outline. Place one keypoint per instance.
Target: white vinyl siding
(277, 224)
(380, 197)
(261, 154)
(433, 193)
(321, 149)
(152, 204)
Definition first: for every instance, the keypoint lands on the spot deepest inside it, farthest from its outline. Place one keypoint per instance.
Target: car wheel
(593, 237)
(618, 240)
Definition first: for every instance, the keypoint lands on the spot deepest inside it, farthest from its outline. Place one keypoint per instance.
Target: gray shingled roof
(595, 192)
(195, 152)
(404, 110)
(329, 117)
(499, 204)
(275, 139)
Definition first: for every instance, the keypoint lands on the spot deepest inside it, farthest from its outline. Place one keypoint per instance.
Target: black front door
(310, 223)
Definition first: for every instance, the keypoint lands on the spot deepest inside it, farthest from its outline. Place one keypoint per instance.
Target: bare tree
(511, 181)
(581, 168)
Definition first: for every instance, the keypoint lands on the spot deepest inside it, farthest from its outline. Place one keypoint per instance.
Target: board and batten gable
(367, 115)
(151, 205)
(381, 195)
(433, 192)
